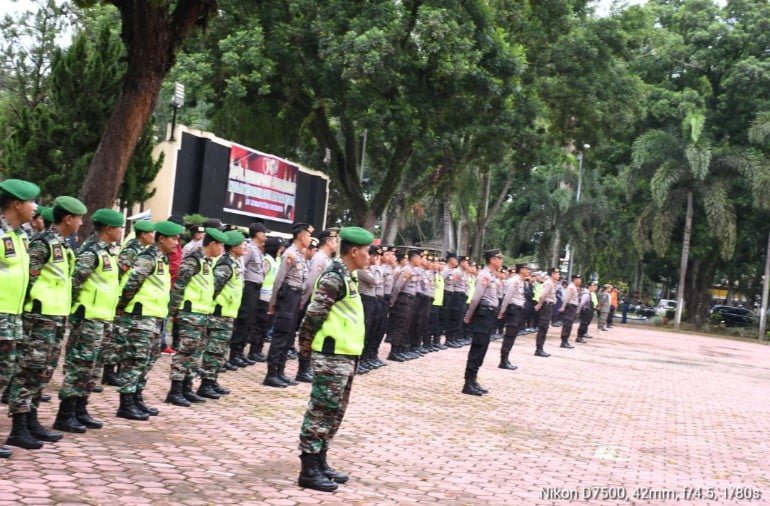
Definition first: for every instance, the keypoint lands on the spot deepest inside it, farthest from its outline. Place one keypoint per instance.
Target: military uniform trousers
(481, 325)
(400, 319)
(114, 341)
(515, 318)
(378, 327)
(434, 326)
(284, 324)
(603, 319)
(218, 332)
(142, 338)
(543, 321)
(586, 315)
(192, 341)
(568, 318)
(80, 356)
(371, 314)
(11, 330)
(329, 397)
(245, 325)
(37, 355)
(99, 362)
(420, 319)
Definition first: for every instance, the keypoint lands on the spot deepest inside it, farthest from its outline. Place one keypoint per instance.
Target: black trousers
(434, 326)
(401, 319)
(420, 318)
(482, 323)
(515, 317)
(371, 312)
(543, 321)
(381, 323)
(586, 315)
(245, 323)
(454, 303)
(284, 325)
(568, 317)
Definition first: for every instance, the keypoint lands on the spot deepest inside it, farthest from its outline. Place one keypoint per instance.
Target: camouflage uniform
(85, 339)
(219, 328)
(11, 329)
(141, 334)
(40, 346)
(192, 326)
(332, 374)
(115, 333)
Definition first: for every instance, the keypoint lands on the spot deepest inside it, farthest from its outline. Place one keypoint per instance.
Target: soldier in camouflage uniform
(228, 292)
(332, 336)
(16, 207)
(46, 309)
(114, 332)
(191, 303)
(95, 291)
(144, 300)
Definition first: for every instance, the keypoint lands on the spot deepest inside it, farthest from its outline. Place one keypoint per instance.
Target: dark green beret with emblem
(108, 217)
(47, 214)
(20, 189)
(144, 226)
(39, 211)
(216, 235)
(234, 238)
(168, 228)
(70, 205)
(356, 236)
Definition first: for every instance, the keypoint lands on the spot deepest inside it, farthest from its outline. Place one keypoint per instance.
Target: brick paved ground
(633, 408)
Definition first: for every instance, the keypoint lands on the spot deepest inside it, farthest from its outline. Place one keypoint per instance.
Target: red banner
(261, 185)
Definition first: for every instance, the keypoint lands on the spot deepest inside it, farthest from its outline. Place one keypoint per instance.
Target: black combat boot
(539, 352)
(504, 352)
(565, 344)
(188, 392)
(139, 403)
(470, 389)
(272, 379)
(220, 389)
(229, 367)
(109, 376)
(83, 416)
(65, 418)
(243, 357)
(312, 476)
(330, 472)
(478, 387)
(20, 435)
(395, 354)
(289, 382)
(207, 390)
(581, 340)
(128, 409)
(255, 353)
(304, 373)
(175, 396)
(38, 431)
(5, 452)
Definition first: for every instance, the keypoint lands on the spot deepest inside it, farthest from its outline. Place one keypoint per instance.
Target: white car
(664, 305)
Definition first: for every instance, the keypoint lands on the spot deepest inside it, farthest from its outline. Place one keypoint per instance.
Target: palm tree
(679, 164)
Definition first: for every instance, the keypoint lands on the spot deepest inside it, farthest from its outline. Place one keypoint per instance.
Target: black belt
(254, 282)
(293, 289)
(547, 304)
(407, 295)
(422, 296)
(486, 308)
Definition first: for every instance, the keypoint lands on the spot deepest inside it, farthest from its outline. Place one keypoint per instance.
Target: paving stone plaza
(636, 416)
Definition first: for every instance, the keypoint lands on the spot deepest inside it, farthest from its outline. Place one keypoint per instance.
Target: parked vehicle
(664, 305)
(732, 316)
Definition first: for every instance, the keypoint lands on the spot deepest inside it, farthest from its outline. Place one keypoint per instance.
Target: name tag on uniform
(353, 289)
(58, 254)
(160, 267)
(106, 263)
(10, 249)
(206, 268)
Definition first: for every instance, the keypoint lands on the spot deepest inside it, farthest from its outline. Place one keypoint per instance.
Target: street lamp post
(577, 199)
(177, 101)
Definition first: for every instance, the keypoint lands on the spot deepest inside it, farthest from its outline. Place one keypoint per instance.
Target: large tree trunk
(448, 240)
(152, 35)
(683, 262)
(765, 285)
(556, 249)
(481, 215)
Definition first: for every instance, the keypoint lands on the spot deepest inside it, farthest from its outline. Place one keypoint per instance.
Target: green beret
(39, 211)
(168, 228)
(356, 236)
(216, 234)
(71, 205)
(108, 217)
(144, 226)
(234, 238)
(47, 214)
(19, 189)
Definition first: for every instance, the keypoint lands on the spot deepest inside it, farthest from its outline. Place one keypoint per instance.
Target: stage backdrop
(261, 185)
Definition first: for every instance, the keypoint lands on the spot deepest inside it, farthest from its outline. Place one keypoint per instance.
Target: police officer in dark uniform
(481, 319)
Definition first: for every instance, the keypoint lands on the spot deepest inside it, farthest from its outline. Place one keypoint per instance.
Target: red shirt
(174, 261)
